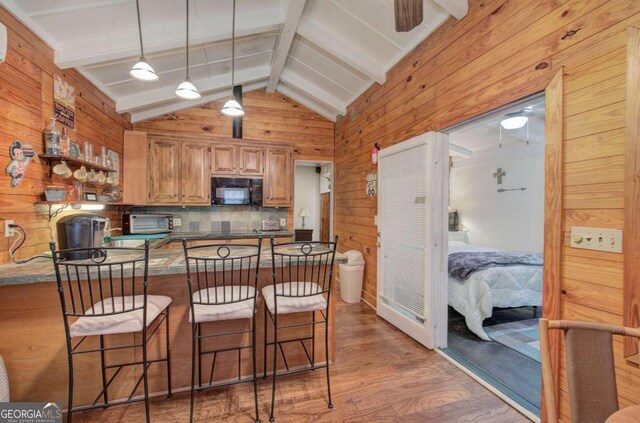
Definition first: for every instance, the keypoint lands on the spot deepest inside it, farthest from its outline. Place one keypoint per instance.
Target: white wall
(307, 194)
(512, 220)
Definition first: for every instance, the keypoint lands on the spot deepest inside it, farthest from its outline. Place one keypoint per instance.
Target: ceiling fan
(408, 14)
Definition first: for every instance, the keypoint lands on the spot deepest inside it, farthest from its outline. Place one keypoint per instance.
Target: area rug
(522, 336)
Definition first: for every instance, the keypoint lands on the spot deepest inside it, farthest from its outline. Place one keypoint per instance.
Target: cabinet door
(250, 161)
(195, 173)
(224, 160)
(164, 172)
(278, 177)
(135, 157)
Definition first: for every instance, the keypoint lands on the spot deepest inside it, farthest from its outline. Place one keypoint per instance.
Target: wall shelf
(72, 162)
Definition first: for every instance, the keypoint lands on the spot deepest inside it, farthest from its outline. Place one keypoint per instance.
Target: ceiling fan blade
(408, 14)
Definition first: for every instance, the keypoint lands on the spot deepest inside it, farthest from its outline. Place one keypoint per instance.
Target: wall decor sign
(64, 102)
(21, 154)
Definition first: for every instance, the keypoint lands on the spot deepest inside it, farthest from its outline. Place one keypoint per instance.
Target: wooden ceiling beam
(288, 31)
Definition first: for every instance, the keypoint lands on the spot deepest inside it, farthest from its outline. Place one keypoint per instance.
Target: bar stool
(302, 276)
(222, 281)
(99, 297)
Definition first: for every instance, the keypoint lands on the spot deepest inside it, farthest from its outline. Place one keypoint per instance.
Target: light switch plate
(283, 222)
(177, 221)
(600, 239)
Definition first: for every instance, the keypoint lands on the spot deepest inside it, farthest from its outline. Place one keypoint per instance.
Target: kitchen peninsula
(32, 324)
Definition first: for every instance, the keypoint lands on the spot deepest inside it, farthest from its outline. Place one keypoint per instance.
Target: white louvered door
(412, 211)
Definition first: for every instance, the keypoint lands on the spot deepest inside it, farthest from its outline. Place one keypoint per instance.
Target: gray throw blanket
(463, 264)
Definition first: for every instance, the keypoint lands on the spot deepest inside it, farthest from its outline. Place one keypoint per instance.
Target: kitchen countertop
(161, 262)
(197, 236)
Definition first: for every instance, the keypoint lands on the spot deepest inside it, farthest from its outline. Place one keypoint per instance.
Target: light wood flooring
(380, 375)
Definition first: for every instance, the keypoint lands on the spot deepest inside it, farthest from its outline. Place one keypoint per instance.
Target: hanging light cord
(233, 48)
(187, 38)
(140, 29)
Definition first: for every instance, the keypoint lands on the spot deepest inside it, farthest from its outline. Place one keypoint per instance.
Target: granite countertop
(193, 236)
(161, 262)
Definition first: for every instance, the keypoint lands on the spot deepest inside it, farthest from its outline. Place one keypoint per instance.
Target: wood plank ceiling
(320, 53)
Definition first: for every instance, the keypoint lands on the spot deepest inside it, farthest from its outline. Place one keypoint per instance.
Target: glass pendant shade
(187, 91)
(142, 71)
(514, 122)
(232, 108)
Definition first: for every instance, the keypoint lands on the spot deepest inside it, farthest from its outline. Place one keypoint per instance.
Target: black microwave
(236, 191)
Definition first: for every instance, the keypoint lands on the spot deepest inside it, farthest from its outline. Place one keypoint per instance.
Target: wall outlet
(8, 231)
(177, 221)
(283, 222)
(609, 240)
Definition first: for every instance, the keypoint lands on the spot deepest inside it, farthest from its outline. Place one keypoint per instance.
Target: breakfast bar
(32, 323)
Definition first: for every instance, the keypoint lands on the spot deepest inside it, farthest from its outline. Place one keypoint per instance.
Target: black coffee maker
(80, 231)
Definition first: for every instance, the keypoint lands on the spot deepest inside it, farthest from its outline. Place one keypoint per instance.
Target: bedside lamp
(304, 212)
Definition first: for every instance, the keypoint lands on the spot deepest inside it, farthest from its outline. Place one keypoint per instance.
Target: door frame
(331, 190)
(553, 224)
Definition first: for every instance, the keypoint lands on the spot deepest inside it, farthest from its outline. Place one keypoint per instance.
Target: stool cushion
(129, 321)
(288, 305)
(241, 308)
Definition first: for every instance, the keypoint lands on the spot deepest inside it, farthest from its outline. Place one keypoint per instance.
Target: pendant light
(186, 90)
(232, 108)
(142, 70)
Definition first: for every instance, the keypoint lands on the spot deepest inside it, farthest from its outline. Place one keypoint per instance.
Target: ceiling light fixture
(515, 120)
(186, 90)
(142, 70)
(232, 108)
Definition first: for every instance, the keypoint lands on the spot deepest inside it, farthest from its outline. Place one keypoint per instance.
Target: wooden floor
(380, 375)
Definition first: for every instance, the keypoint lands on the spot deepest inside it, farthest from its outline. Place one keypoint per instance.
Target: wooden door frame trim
(631, 238)
(553, 225)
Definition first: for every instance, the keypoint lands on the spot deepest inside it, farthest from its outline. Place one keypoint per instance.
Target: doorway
(496, 243)
(313, 199)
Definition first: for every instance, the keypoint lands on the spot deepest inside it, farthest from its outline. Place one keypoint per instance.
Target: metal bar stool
(302, 276)
(100, 296)
(222, 281)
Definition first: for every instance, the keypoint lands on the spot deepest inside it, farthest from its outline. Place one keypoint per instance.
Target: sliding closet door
(412, 210)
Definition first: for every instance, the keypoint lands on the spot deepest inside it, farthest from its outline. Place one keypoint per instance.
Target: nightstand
(304, 234)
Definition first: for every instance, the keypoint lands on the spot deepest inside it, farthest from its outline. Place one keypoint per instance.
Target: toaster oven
(144, 224)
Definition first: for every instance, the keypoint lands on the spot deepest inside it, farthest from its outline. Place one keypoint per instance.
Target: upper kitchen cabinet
(135, 164)
(164, 171)
(224, 159)
(278, 177)
(251, 161)
(179, 172)
(195, 173)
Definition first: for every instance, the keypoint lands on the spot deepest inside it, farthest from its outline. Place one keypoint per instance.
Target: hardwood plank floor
(380, 375)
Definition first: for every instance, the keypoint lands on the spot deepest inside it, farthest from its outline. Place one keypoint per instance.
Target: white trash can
(351, 275)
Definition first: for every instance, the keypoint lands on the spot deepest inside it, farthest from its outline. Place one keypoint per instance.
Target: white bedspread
(509, 286)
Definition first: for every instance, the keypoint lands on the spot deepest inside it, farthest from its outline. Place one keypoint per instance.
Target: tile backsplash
(222, 219)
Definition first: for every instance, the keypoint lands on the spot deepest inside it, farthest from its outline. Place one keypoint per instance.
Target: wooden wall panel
(26, 105)
(268, 117)
(502, 51)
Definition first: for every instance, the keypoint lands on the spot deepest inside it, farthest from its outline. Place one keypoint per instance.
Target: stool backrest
(103, 284)
(224, 271)
(303, 269)
(591, 376)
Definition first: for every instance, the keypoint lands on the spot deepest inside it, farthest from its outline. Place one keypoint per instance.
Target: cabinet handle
(175, 195)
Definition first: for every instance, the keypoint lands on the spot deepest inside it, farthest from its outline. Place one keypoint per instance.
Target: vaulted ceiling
(320, 53)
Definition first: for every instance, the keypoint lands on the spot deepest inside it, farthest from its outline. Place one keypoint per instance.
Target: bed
(475, 296)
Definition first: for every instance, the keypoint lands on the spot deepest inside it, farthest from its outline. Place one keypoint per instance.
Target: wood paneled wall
(502, 51)
(26, 106)
(268, 117)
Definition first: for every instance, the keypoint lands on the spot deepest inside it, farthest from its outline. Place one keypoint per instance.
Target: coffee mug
(81, 174)
(62, 170)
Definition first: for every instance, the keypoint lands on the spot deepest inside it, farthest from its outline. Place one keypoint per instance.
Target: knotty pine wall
(26, 106)
(501, 51)
(268, 117)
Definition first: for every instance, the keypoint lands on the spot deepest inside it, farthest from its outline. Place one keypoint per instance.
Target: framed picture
(90, 196)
